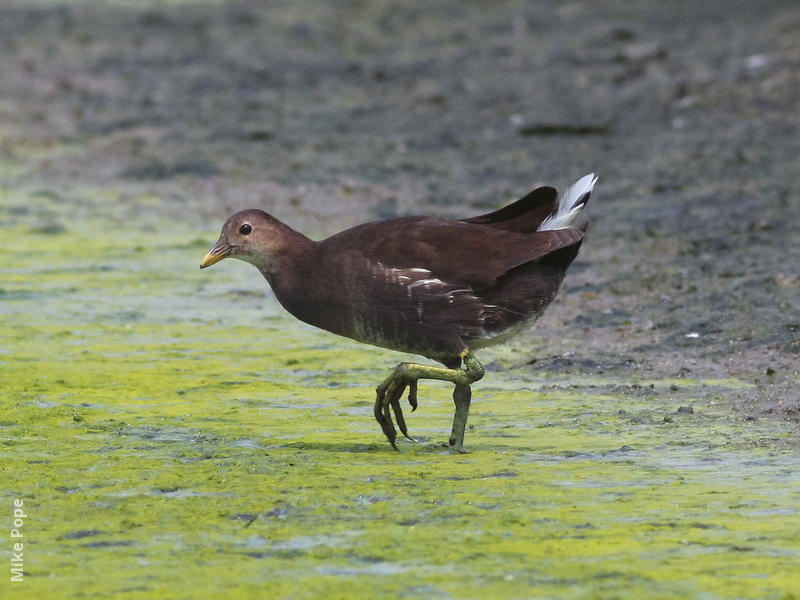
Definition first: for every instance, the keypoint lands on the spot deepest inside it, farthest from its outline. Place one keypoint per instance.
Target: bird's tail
(568, 213)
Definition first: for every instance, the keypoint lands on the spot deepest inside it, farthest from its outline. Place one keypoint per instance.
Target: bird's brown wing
(454, 252)
(524, 215)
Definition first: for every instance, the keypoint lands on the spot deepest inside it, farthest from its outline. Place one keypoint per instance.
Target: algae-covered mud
(164, 447)
(172, 433)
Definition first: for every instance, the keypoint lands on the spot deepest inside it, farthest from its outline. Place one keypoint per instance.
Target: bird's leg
(405, 375)
(462, 394)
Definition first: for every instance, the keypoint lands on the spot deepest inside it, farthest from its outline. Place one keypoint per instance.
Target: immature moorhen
(436, 287)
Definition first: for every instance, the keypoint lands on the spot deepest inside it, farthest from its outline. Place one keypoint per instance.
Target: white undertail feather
(569, 207)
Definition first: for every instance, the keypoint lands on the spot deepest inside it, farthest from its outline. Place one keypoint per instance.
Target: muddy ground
(152, 121)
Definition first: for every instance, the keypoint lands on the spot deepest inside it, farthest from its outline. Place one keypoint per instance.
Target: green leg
(462, 395)
(406, 375)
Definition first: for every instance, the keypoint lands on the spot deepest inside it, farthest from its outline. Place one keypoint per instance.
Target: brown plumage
(427, 285)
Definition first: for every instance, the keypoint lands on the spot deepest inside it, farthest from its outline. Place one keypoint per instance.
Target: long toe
(388, 427)
(387, 396)
(393, 395)
(394, 392)
(399, 418)
(381, 411)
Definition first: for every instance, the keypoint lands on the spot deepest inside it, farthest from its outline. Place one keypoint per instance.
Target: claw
(412, 395)
(388, 426)
(382, 415)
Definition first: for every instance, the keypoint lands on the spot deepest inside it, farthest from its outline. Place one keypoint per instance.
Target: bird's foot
(406, 375)
(388, 394)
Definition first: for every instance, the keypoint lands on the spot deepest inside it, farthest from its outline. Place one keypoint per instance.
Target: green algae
(173, 433)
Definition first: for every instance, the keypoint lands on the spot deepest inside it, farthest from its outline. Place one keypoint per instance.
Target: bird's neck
(290, 251)
(295, 281)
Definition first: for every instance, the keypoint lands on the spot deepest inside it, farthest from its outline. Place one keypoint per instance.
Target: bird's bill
(216, 254)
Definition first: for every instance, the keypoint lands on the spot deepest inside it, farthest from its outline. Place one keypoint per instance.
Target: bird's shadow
(421, 445)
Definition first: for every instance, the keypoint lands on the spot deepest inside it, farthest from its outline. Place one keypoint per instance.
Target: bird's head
(252, 236)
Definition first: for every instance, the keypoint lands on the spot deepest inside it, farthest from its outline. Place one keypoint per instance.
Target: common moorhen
(427, 285)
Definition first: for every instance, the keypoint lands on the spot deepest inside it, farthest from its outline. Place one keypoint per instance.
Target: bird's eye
(245, 229)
